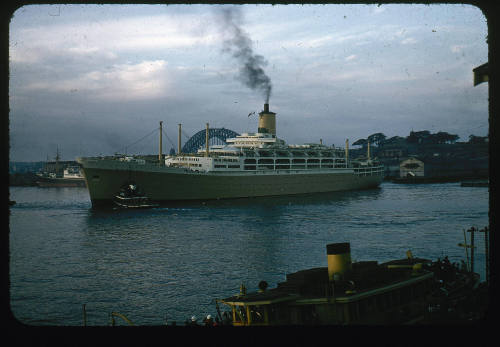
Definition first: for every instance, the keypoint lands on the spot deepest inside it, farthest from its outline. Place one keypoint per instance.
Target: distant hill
(24, 167)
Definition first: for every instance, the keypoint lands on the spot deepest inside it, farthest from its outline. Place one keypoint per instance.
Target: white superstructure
(72, 172)
(251, 152)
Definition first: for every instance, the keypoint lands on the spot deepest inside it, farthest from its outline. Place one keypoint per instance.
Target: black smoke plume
(239, 45)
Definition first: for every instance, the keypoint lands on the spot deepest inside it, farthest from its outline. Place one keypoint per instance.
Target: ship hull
(165, 184)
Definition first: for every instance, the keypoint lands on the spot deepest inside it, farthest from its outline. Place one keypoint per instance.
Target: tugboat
(398, 292)
(343, 293)
(130, 196)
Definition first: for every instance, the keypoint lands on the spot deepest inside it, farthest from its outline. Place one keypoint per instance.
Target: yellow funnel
(339, 259)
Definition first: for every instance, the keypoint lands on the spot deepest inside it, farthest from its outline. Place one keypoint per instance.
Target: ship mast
(179, 140)
(160, 144)
(57, 160)
(206, 141)
(346, 152)
(368, 151)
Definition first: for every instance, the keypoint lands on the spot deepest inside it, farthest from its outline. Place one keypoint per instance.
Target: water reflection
(176, 259)
(286, 200)
(250, 235)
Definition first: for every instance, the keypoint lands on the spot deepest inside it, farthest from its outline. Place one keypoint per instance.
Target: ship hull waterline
(166, 185)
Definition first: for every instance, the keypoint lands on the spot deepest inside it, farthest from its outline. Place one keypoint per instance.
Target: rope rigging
(136, 142)
(192, 143)
(186, 135)
(126, 148)
(168, 138)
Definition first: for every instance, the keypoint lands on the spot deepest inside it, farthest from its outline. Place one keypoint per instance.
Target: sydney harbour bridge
(217, 136)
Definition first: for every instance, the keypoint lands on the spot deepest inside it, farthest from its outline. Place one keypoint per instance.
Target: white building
(411, 167)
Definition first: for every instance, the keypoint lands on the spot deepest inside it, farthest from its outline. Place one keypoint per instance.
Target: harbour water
(172, 262)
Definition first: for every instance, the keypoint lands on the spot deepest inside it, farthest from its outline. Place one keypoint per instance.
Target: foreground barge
(343, 293)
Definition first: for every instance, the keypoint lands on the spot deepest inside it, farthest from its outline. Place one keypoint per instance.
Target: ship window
(241, 314)
(257, 314)
(266, 161)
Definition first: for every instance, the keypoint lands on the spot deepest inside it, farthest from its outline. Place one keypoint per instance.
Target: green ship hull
(162, 184)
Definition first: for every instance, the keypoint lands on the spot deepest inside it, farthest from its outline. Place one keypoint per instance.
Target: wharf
(441, 179)
(482, 183)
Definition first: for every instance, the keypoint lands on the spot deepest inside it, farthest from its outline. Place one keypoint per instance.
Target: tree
(376, 138)
(443, 137)
(418, 136)
(393, 140)
(360, 142)
(477, 139)
(453, 138)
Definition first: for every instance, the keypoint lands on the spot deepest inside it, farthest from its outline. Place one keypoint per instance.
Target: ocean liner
(248, 165)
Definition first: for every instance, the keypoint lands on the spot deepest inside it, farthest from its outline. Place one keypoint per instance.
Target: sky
(92, 80)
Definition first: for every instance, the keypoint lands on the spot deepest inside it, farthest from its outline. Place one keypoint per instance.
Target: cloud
(144, 80)
(457, 48)
(109, 37)
(320, 41)
(409, 41)
(351, 57)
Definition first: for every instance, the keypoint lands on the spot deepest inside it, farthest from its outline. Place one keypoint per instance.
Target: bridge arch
(216, 136)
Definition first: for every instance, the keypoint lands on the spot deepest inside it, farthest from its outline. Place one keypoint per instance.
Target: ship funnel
(267, 121)
(339, 259)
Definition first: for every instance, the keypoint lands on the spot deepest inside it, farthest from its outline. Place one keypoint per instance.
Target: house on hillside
(411, 167)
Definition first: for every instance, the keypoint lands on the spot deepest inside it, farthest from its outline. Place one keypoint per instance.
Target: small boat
(130, 196)
(398, 292)
(343, 293)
